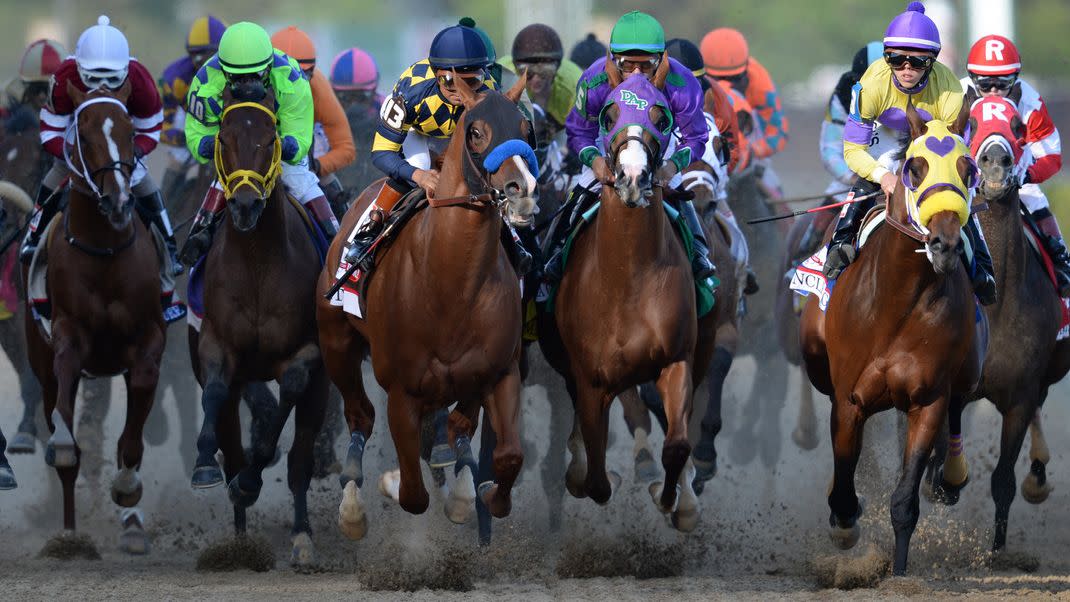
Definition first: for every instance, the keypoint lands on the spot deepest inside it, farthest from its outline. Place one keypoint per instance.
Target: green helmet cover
(245, 48)
(637, 31)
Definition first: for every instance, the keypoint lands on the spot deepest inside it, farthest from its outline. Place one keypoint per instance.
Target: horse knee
(508, 462)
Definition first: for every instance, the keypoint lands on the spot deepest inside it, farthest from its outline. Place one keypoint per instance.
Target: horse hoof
(499, 507)
(1033, 491)
(134, 541)
(845, 536)
(462, 498)
(646, 469)
(574, 480)
(685, 520)
(206, 477)
(704, 471)
(352, 520)
(239, 496)
(7, 478)
(390, 484)
(442, 456)
(126, 497)
(60, 455)
(944, 493)
(22, 443)
(804, 438)
(655, 490)
(303, 552)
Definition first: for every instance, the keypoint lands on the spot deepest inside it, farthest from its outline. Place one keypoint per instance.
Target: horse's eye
(475, 133)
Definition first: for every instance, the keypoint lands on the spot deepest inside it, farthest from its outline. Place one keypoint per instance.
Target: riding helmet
(245, 48)
(458, 47)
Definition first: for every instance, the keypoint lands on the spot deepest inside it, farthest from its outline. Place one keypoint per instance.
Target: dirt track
(762, 534)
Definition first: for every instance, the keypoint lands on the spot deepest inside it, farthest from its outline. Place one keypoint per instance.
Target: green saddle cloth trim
(704, 289)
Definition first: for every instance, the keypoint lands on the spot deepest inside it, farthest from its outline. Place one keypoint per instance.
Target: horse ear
(227, 96)
(1019, 129)
(613, 72)
(514, 93)
(662, 72)
(269, 99)
(1015, 95)
(77, 96)
(123, 93)
(917, 124)
(961, 121)
(970, 97)
(468, 97)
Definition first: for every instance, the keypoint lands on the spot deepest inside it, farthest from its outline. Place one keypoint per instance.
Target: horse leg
(262, 406)
(7, 476)
(805, 433)
(217, 374)
(96, 402)
(342, 347)
(308, 420)
(228, 432)
(923, 425)
(13, 341)
(674, 384)
(460, 428)
(403, 415)
(488, 443)
(637, 418)
(62, 451)
(1015, 422)
(1035, 486)
(502, 408)
(326, 460)
(846, 426)
(705, 453)
(593, 411)
(576, 472)
(949, 470)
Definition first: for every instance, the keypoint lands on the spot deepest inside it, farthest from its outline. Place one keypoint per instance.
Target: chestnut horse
(899, 332)
(626, 310)
(259, 321)
(1026, 358)
(443, 320)
(104, 286)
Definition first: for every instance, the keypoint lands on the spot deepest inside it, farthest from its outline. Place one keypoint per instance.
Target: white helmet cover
(102, 50)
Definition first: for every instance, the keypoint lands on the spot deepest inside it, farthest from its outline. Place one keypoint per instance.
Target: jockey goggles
(112, 80)
(628, 64)
(897, 61)
(993, 82)
(544, 68)
(474, 79)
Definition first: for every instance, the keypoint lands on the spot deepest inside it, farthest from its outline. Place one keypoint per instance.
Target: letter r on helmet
(994, 50)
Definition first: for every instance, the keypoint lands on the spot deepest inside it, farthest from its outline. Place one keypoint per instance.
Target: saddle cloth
(195, 286)
(1049, 267)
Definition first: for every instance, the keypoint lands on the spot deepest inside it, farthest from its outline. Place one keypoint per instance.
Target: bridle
(262, 183)
(80, 169)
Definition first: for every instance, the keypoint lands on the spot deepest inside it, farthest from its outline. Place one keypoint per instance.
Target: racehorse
(259, 324)
(900, 328)
(1026, 358)
(625, 312)
(444, 316)
(22, 164)
(104, 289)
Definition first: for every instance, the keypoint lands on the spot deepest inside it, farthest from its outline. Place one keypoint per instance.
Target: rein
(81, 170)
(91, 250)
(264, 183)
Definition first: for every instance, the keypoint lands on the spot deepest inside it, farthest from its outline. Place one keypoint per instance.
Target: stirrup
(838, 258)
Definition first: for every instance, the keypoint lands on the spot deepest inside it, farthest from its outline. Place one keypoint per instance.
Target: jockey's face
(905, 65)
(199, 58)
(448, 87)
(541, 75)
(642, 63)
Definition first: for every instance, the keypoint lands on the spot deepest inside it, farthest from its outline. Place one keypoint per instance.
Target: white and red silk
(144, 105)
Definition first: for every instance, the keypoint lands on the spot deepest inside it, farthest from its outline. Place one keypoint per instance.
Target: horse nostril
(512, 189)
(1006, 162)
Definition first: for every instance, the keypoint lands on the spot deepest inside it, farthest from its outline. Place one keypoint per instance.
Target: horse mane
(21, 119)
(903, 141)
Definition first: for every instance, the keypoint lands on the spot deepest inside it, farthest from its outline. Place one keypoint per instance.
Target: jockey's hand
(428, 180)
(666, 172)
(888, 181)
(206, 147)
(289, 148)
(601, 171)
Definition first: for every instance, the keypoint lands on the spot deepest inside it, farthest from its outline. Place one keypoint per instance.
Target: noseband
(262, 184)
(81, 170)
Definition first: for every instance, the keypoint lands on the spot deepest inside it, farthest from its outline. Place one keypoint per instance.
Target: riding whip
(815, 209)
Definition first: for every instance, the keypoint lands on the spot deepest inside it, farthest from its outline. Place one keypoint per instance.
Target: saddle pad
(37, 287)
(1049, 267)
(809, 279)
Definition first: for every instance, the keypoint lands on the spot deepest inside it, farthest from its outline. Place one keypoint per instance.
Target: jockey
(102, 60)
(993, 66)
(354, 79)
(247, 62)
(332, 141)
(587, 51)
(40, 60)
(552, 78)
(909, 68)
(638, 46)
(201, 43)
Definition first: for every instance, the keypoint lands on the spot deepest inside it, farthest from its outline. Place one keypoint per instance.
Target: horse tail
(16, 195)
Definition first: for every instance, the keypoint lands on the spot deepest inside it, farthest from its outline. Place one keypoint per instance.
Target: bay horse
(104, 288)
(901, 329)
(1026, 358)
(259, 322)
(443, 317)
(625, 311)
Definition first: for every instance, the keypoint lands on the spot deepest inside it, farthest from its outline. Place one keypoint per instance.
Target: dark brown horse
(899, 332)
(625, 310)
(443, 319)
(104, 288)
(1025, 359)
(259, 320)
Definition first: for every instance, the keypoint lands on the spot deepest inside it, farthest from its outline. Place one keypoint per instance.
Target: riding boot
(381, 206)
(518, 255)
(554, 268)
(1056, 247)
(45, 208)
(332, 189)
(841, 248)
(701, 265)
(321, 211)
(204, 223)
(984, 283)
(152, 211)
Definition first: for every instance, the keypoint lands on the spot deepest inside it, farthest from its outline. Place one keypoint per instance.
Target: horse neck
(629, 241)
(91, 227)
(1002, 225)
(898, 270)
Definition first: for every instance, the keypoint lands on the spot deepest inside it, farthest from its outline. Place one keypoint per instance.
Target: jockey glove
(289, 148)
(206, 147)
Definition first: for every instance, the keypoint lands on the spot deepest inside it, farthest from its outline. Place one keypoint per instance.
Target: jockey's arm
(857, 134)
(329, 113)
(295, 116)
(1044, 142)
(831, 142)
(718, 104)
(581, 124)
(395, 121)
(686, 104)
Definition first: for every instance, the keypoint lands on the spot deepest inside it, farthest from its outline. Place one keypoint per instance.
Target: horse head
(935, 183)
(997, 143)
(635, 124)
(499, 141)
(248, 155)
(100, 149)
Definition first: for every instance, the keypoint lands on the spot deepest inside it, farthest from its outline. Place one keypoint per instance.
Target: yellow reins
(262, 183)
